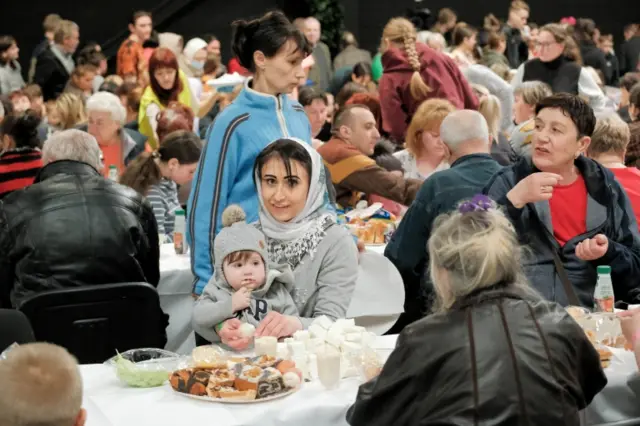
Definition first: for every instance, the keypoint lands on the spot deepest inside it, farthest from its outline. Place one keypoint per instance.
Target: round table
(110, 403)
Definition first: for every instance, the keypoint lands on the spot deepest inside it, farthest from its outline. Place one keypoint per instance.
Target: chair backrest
(93, 322)
(14, 328)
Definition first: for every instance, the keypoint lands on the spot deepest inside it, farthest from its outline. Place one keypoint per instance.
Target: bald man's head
(356, 125)
(312, 30)
(464, 127)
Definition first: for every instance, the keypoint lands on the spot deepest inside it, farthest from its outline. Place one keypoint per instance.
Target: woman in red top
(570, 210)
(413, 72)
(21, 159)
(608, 147)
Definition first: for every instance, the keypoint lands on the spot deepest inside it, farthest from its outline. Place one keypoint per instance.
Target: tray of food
(603, 330)
(238, 380)
(372, 232)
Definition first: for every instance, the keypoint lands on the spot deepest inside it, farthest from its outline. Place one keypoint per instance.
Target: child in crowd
(81, 81)
(53, 115)
(41, 385)
(157, 175)
(245, 285)
(20, 101)
(70, 110)
(34, 93)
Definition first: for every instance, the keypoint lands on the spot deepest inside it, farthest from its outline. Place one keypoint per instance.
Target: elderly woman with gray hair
(73, 227)
(107, 117)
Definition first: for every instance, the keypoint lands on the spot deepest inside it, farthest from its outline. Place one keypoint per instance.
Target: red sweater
(18, 169)
(440, 73)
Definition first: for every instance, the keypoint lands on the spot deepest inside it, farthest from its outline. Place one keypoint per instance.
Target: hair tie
(155, 154)
(479, 203)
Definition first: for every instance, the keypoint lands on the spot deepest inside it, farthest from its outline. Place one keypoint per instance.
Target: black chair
(14, 328)
(92, 322)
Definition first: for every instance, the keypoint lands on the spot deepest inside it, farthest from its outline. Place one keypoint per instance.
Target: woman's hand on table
(278, 325)
(630, 323)
(230, 335)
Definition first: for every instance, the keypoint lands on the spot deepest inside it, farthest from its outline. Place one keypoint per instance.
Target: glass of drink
(329, 367)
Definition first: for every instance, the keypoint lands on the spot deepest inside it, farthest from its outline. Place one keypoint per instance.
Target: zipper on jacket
(281, 120)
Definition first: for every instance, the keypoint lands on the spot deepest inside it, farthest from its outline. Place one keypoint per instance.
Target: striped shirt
(18, 168)
(164, 200)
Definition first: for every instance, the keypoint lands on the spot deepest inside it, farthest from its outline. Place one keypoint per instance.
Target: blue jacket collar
(248, 96)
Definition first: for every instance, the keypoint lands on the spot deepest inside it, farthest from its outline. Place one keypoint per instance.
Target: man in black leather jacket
(73, 227)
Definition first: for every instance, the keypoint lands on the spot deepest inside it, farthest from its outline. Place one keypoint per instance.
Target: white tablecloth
(110, 403)
(175, 289)
(377, 302)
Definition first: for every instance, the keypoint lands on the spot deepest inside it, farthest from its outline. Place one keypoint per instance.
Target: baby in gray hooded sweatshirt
(245, 284)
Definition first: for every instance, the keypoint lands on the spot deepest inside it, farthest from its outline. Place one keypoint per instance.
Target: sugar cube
(283, 351)
(334, 338)
(302, 335)
(353, 337)
(346, 322)
(323, 322)
(297, 349)
(317, 332)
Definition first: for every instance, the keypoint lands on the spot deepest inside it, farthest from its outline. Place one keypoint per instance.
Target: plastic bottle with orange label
(603, 295)
(179, 229)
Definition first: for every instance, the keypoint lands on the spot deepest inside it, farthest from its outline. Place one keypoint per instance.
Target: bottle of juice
(603, 294)
(179, 229)
(113, 173)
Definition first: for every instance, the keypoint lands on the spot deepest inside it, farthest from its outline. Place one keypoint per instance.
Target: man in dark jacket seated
(569, 210)
(73, 227)
(466, 135)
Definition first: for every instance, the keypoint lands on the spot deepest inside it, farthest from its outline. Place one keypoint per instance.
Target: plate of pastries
(237, 379)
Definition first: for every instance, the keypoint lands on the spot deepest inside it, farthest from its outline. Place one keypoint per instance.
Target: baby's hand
(241, 299)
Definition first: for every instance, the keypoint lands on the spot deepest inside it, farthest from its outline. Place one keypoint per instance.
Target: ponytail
(418, 88)
(142, 173)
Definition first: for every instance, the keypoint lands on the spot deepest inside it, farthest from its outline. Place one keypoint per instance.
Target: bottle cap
(180, 212)
(113, 166)
(604, 269)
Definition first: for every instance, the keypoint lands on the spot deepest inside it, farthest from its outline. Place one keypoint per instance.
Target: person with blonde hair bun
(493, 348)
(413, 73)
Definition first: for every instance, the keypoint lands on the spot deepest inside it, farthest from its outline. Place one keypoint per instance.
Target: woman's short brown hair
(175, 117)
(495, 38)
(462, 31)
(446, 15)
(428, 117)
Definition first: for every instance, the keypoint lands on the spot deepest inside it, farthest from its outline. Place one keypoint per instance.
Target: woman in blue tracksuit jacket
(273, 49)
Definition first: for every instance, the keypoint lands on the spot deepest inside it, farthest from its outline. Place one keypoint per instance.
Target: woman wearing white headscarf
(191, 62)
(301, 230)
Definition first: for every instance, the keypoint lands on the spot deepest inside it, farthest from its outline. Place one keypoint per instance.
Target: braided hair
(402, 31)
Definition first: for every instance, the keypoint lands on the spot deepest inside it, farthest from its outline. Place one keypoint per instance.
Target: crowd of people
(483, 140)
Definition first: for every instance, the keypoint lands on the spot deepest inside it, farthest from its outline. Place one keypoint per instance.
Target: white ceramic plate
(233, 401)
